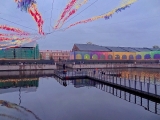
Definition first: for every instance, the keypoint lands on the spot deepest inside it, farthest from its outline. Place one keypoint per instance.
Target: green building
(27, 51)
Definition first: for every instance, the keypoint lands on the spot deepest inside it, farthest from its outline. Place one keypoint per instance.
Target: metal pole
(113, 79)
(154, 80)
(155, 86)
(125, 81)
(135, 81)
(148, 87)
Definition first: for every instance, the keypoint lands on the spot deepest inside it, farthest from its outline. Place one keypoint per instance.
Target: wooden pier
(145, 88)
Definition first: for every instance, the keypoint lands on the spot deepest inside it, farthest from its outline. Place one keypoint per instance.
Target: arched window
(87, 56)
(147, 56)
(138, 57)
(78, 56)
(117, 57)
(102, 57)
(124, 57)
(131, 57)
(110, 57)
(157, 56)
(94, 57)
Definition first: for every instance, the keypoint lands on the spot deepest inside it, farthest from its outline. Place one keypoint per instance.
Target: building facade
(55, 55)
(95, 52)
(27, 51)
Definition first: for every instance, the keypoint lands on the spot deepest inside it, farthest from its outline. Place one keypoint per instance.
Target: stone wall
(27, 67)
(115, 66)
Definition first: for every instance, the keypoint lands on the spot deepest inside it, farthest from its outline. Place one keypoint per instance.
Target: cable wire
(18, 24)
(73, 17)
(82, 11)
(51, 14)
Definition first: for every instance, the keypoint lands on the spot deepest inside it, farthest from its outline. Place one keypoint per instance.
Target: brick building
(56, 55)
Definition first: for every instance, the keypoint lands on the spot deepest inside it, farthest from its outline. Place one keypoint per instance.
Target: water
(48, 98)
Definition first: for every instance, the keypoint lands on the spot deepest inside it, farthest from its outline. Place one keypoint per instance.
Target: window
(110, 57)
(117, 57)
(131, 57)
(124, 57)
(102, 57)
(138, 57)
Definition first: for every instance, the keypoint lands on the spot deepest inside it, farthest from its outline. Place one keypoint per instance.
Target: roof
(116, 49)
(31, 44)
(91, 47)
(142, 49)
(129, 49)
(155, 49)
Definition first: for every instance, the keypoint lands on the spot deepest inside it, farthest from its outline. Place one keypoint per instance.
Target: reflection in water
(13, 84)
(143, 74)
(82, 83)
(152, 74)
(29, 81)
(16, 109)
(20, 96)
(149, 105)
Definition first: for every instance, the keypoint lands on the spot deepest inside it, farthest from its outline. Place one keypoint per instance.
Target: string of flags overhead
(16, 37)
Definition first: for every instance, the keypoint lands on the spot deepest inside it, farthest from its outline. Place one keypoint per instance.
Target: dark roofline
(109, 49)
(149, 49)
(135, 49)
(124, 49)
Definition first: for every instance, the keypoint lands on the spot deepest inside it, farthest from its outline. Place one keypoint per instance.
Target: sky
(137, 26)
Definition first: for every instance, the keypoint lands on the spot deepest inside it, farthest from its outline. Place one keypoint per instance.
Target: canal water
(40, 96)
